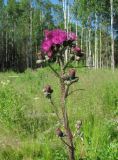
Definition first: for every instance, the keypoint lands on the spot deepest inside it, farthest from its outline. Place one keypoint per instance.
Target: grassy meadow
(28, 121)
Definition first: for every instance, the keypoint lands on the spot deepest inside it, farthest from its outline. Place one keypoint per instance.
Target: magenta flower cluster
(54, 38)
(76, 49)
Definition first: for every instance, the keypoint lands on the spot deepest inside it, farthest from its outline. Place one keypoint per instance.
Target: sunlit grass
(28, 122)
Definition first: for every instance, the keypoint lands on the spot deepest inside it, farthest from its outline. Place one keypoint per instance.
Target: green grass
(28, 122)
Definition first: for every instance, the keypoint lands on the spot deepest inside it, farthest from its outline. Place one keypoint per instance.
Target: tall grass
(28, 122)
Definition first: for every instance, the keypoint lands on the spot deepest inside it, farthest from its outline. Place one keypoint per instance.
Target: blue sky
(53, 1)
(5, 1)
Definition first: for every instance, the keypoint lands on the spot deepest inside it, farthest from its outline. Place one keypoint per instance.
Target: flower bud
(72, 73)
(48, 91)
(59, 132)
(77, 51)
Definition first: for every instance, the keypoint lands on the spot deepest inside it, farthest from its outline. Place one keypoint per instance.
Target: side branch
(66, 91)
(56, 73)
(66, 65)
(65, 143)
(68, 82)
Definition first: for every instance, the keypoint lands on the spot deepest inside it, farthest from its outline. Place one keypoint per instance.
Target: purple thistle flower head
(46, 45)
(72, 36)
(54, 39)
(78, 52)
(72, 73)
(76, 49)
(58, 36)
(48, 34)
(48, 89)
(50, 53)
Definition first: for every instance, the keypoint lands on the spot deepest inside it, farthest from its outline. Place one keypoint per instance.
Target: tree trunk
(68, 17)
(112, 38)
(89, 43)
(65, 2)
(76, 30)
(87, 54)
(6, 54)
(100, 48)
(96, 42)
(82, 38)
(30, 35)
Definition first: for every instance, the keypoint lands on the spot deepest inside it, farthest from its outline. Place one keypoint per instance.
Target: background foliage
(22, 24)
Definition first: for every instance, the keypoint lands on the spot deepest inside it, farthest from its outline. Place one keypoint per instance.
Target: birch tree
(112, 38)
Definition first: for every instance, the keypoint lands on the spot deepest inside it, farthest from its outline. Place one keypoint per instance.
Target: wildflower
(46, 45)
(50, 53)
(72, 36)
(56, 36)
(59, 36)
(77, 51)
(54, 39)
(48, 91)
(48, 34)
(71, 77)
(72, 73)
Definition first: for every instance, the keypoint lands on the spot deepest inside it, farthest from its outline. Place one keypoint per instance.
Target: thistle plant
(54, 45)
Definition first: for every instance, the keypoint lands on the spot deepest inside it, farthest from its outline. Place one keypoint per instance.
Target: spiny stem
(64, 93)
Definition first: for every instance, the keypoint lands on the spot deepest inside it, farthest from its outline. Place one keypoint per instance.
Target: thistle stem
(64, 93)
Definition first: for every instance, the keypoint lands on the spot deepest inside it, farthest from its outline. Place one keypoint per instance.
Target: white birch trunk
(82, 38)
(6, 39)
(112, 38)
(100, 47)
(89, 52)
(93, 58)
(68, 17)
(6, 57)
(89, 42)
(96, 43)
(65, 2)
(76, 30)
(64, 13)
(87, 55)
(30, 35)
